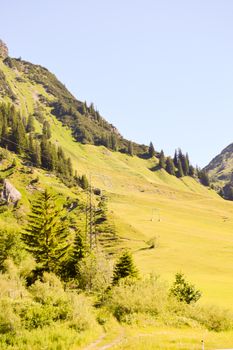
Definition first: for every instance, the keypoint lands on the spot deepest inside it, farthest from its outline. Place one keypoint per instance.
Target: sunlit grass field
(191, 226)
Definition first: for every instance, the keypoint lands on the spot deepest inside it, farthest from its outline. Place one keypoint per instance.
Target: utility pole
(90, 211)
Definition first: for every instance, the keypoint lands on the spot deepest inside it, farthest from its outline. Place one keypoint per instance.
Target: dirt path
(95, 345)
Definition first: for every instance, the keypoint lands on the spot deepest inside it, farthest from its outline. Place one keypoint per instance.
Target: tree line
(18, 135)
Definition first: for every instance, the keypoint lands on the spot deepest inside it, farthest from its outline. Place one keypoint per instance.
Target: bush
(131, 297)
(35, 315)
(50, 293)
(212, 317)
(10, 246)
(82, 317)
(9, 321)
(95, 273)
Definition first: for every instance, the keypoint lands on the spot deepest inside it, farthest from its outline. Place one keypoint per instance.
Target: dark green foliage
(151, 150)
(204, 178)
(104, 228)
(179, 169)
(83, 181)
(76, 254)
(130, 148)
(46, 130)
(191, 170)
(124, 267)
(162, 160)
(227, 192)
(184, 291)
(175, 159)
(170, 168)
(9, 245)
(30, 127)
(46, 233)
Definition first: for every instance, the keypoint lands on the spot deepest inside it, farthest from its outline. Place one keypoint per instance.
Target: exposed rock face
(10, 193)
(3, 50)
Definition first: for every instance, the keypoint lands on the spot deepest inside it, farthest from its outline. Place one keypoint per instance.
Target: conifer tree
(170, 168)
(162, 161)
(104, 229)
(175, 159)
(204, 178)
(30, 127)
(179, 169)
(76, 254)
(124, 267)
(18, 136)
(151, 150)
(46, 233)
(130, 148)
(84, 182)
(46, 131)
(185, 164)
(191, 170)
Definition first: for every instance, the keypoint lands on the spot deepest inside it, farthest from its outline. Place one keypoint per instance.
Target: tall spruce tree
(162, 160)
(130, 148)
(170, 168)
(175, 159)
(124, 267)
(151, 150)
(46, 131)
(46, 234)
(179, 169)
(30, 127)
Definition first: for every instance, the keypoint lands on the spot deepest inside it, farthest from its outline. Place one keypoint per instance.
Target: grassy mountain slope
(189, 223)
(221, 167)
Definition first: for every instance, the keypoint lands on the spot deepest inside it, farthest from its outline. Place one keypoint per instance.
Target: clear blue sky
(159, 70)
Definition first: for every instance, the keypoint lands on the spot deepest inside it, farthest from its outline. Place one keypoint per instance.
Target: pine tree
(185, 165)
(46, 234)
(175, 159)
(179, 169)
(151, 150)
(30, 127)
(162, 161)
(77, 253)
(130, 148)
(46, 131)
(84, 182)
(18, 136)
(113, 142)
(170, 168)
(204, 178)
(191, 170)
(184, 291)
(124, 267)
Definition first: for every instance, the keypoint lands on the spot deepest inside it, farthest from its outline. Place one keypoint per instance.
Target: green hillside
(189, 224)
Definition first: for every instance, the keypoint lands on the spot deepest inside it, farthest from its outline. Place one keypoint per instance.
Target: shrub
(9, 321)
(34, 315)
(82, 317)
(212, 317)
(131, 297)
(94, 272)
(50, 293)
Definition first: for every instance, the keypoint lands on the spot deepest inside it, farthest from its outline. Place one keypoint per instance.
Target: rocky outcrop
(3, 50)
(9, 193)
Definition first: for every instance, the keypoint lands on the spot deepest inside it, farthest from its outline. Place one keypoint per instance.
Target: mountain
(189, 224)
(32, 87)
(220, 171)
